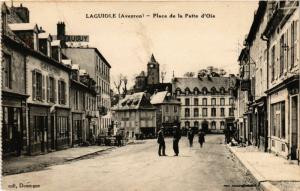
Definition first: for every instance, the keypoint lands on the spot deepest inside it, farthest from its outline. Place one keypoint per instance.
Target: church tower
(153, 71)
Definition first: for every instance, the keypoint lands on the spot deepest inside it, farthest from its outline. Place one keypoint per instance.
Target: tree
(189, 74)
(125, 81)
(118, 83)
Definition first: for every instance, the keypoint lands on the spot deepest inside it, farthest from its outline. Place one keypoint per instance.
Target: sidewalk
(271, 172)
(15, 165)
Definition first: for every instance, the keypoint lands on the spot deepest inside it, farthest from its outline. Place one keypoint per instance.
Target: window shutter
(296, 41)
(33, 85)
(59, 92)
(48, 88)
(65, 93)
(43, 87)
(54, 90)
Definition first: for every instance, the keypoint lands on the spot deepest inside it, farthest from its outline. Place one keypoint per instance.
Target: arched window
(222, 90)
(222, 125)
(213, 90)
(213, 125)
(204, 90)
(187, 124)
(187, 91)
(196, 91)
(178, 91)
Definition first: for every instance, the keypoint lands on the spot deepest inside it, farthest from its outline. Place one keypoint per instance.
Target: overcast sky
(181, 45)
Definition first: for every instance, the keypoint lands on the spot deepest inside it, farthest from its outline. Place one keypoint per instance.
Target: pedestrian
(176, 138)
(161, 142)
(201, 137)
(119, 139)
(191, 136)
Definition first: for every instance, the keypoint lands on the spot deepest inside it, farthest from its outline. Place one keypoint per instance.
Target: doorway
(294, 126)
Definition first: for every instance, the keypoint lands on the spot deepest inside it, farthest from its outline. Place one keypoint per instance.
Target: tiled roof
(208, 82)
(134, 102)
(160, 98)
(23, 26)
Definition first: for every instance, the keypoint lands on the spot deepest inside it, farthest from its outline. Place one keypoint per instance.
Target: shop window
(62, 124)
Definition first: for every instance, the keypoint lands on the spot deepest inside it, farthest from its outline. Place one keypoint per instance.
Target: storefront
(14, 134)
(77, 128)
(63, 132)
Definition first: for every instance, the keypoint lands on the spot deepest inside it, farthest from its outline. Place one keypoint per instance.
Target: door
(294, 126)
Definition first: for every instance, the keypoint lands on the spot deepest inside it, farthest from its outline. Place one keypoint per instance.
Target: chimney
(22, 12)
(61, 31)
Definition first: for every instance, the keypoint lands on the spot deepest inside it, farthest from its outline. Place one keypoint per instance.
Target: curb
(264, 185)
(93, 153)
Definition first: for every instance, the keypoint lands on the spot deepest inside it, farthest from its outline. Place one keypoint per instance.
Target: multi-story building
(91, 60)
(83, 105)
(282, 36)
(207, 102)
(167, 111)
(135, 116)
(253, 74)
(13, 86)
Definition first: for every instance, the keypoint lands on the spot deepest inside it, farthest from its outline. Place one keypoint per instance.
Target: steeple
(152, 59)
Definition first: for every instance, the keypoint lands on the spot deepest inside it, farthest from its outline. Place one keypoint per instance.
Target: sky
(178, 44)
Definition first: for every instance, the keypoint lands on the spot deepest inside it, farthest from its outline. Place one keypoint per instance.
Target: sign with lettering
(77, 38)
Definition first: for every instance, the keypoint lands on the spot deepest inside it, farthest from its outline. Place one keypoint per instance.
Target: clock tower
(153, 71)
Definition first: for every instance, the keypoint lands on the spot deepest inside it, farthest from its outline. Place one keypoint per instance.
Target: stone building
(167, 111)
(135, 116)
(282, 36)
(207, 102)
(91, 60)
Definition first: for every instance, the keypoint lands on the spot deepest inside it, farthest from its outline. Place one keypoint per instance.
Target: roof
(161, 98)
(23, 26)
(44, 35)
(136, 101)
(208, 82)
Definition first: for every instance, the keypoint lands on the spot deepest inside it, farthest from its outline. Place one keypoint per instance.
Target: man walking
(176, 138)
(201, 138)
(190, 136)
(161, 142)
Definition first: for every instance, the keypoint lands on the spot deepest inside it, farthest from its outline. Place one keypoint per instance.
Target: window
(231, 101)
(178, 92)
(204, 112)
(293, 43)
(196, 112)
(222, 125)
(231, 112)
(222, 101)
(204, 90)
(196, 101)
(38, 90)
(187, 112)
(175, 109)
(63, 131)
(222, 112)
(213, 112)
(278, 119)
(187, 124)
(204, 101)
(51, 90)
(213, 101)
(213, 91)
(167, 109)
(61, 92)
(273, 63)
(6, 71)
(187, 101)
(222, 90)
(76, 99)
(187, 91)
(196, 124)
(282, 46)
(213, 125)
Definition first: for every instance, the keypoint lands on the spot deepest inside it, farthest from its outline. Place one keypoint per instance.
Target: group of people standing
(176, 138)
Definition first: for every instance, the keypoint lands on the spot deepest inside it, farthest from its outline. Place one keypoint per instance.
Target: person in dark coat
(161, 142)
(201, 138)
(191, 136)
(176, 138)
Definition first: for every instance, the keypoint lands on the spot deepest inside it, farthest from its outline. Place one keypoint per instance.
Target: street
(138, 167)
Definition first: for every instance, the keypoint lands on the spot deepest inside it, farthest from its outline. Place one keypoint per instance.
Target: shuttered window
(38, 86)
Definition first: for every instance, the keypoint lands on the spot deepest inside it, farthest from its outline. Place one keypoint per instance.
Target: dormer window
(196, 91)
(213, 90)
(204, 90)
(230, 91)
(222, 90)
(187, 91)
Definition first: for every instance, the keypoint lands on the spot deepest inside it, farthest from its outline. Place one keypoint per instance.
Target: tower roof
(152, 59)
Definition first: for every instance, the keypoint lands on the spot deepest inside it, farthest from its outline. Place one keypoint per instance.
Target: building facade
(167, 111)
(91, 60)
(135, 116)
(206, 102)
(282, 34)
